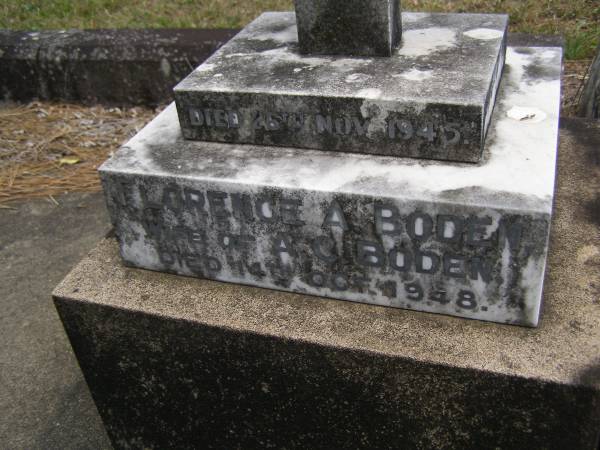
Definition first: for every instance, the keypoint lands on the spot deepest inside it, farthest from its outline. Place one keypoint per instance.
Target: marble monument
(421, 180)
(432, 98)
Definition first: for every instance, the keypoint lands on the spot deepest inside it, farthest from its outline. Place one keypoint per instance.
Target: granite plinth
(351, 28)
(433, 98)
(178, 362)
(459, 239)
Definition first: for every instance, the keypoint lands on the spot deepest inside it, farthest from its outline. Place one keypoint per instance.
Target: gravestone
(422, 181)
(468, 240)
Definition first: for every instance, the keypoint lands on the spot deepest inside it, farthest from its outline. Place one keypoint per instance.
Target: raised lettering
(324, 249)
(403, 127)
(414, 291)
(427, 132)
(343, 126)
(290, 211)
(170, 259)
(369, 254)
(427, 262)
(216, 203)
(196, 117)
(387, 219)
(361, 127)
(296, 121)
(194, 201)
(454, 266)
(454, 137)
(235, 265)
(282, 246)
(212, 264)
(208, 117)
(221, 119)
(324, 124)
(233, 119)
(466, 300)
(152, 222)
(439, 296)
(241, 204)
(419, 226)
(480, 267)
(316, 278)
(265, 209)
(449, 228)
(400, 260)
(195, 264)
(339, 282)
(259, 121)
(171, 198)
(256, 270)
(232, 241)
(477, 231)
(335, 217)
(273, 122)
(360, 282)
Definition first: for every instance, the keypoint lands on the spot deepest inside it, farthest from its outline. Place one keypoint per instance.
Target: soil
(48, 149)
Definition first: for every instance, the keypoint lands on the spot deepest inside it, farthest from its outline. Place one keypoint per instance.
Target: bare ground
(48, 149)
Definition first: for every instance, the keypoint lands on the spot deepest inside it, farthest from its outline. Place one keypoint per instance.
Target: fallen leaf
(69, 160)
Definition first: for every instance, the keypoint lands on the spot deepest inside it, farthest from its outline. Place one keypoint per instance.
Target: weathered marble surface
(460, 239)
(432, 99)
(351, 27)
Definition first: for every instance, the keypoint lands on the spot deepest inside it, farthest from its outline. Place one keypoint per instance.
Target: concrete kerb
(118, 67)
(101, 66)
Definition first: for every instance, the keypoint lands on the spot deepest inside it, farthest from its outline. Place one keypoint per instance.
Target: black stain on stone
(539, 70)
(524, 50)
(592, 210)
(508, 199)
(249, 390)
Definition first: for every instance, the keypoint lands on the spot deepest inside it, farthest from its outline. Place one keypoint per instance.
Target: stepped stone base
(433, 98)
(178, 362)
(459, 239)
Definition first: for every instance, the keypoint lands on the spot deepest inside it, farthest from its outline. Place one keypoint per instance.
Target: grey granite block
(351, 27)
(460, 239)
(432, 99)
(178, 362)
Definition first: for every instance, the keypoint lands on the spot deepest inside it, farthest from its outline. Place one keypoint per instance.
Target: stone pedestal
(178, 362)
(460, 239)
(351, 27)
(433, 98)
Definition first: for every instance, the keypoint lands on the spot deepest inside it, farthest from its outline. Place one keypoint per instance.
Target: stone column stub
(351, 27)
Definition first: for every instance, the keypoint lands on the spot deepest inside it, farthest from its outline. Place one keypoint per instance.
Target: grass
(577, 20)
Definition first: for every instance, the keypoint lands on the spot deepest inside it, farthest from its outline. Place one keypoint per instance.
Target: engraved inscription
(443, 134)
(402, 255)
